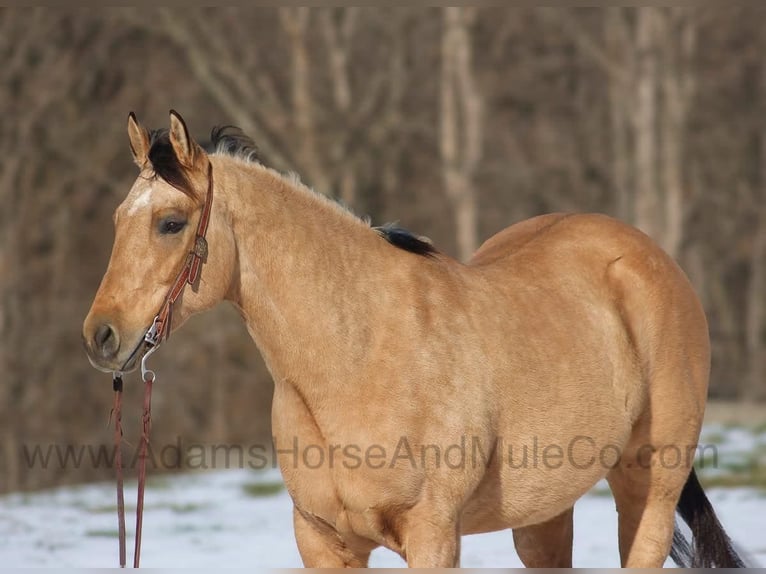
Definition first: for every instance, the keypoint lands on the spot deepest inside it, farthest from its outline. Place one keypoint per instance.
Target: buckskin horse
(574, 334)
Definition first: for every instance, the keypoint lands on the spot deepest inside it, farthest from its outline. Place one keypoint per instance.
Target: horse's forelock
(165, 163)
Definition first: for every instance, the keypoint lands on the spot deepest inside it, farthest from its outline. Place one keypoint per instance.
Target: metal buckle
(153, 333)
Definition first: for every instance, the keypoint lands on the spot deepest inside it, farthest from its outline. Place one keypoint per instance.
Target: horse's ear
(185, 148)
(138, 137)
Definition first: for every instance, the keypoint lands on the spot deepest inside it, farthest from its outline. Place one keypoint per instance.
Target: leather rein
(158, 332)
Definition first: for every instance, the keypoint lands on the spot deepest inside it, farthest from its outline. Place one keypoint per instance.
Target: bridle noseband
(158, 332)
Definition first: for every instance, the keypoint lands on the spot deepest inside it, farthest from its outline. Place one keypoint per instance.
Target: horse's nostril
(106, 340)
(103, 334)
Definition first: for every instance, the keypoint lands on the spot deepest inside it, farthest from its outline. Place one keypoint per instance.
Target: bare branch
(201, 65)
(568, 23)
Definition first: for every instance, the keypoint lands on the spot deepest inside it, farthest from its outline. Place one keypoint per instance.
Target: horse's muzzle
(105, 350)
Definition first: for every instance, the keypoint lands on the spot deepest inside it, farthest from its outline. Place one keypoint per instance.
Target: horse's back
(506, 242)
(575, 241)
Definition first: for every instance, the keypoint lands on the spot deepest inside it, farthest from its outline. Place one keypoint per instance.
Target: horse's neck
(306, 272)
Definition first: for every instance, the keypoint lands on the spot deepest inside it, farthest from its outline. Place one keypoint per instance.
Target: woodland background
(456, 122)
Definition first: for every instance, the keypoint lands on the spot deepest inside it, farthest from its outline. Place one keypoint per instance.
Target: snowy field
(241, 518)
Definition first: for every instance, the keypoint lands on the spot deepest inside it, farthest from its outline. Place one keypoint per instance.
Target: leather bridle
(158, 332)
(160, 328)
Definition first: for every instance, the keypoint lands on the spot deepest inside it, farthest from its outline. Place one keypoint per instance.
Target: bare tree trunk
(461, 126)
(679, 41)
(337, 37)
(213, 70)
(620, 99)
(648, 204)
(647, 62)
(9, 462)
(219, 422)
(295, 23)
(755, 318)
(393, 118)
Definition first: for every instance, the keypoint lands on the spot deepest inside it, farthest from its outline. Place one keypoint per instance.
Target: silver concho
(200, 247)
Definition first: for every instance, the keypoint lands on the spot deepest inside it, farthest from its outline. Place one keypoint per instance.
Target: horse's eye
(171, 226)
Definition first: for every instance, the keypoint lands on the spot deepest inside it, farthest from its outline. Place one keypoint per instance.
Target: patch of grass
(706, 462)
(744, 466)
(731, 425)
(26, 499)
(750, 472)
(79, 504)
(102, 533)
(258, 489)
(184, 508)
(734, 481)
(105, 509)
(159, 483)
(600, 492)
(760, 428)
(715, 438)
(194, 528)
(178, 508)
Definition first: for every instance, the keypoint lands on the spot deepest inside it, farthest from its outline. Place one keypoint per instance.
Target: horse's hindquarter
(587, 301)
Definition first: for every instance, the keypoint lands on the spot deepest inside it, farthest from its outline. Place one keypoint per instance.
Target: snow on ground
(242, 518)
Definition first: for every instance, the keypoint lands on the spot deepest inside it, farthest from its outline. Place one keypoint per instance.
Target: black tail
(710, 546)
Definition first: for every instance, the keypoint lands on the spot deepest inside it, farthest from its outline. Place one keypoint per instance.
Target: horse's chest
(337, 478)
(301, 452)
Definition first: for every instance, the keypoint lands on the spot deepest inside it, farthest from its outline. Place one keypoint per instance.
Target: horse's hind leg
(647, 484)
(546, 545)
(665, 325)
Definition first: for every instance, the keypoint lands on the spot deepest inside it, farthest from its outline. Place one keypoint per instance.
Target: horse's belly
(532, 498)
(536, 475)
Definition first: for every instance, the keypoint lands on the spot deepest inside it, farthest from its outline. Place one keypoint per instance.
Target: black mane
(231, 140)
(404, 239)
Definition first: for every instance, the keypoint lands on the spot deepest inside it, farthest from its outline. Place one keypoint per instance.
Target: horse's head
(155, 230)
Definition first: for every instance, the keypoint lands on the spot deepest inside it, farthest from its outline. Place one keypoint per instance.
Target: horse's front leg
(321, 546)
